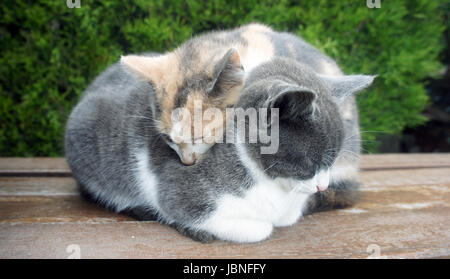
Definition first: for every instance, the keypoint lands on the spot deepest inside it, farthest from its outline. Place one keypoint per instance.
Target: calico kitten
(209, 70)
(234, 193)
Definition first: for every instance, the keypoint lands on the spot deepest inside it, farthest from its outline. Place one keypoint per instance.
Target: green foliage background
(50, 53)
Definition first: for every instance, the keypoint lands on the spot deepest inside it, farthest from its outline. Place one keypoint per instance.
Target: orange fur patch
(164, 73)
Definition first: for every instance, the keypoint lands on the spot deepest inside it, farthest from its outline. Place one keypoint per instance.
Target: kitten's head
(187, 84)
(311, 129)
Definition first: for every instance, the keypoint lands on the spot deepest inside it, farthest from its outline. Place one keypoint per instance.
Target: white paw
(288, 219)
(239, 230)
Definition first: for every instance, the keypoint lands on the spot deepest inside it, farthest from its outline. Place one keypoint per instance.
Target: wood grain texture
(59, 167)
(405, 212)
(34, 167)
(417, 233)
(405, 161)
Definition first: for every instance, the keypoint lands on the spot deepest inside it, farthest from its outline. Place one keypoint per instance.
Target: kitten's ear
(293, 102)
(344, 86)
(229, 74)
(151, 68)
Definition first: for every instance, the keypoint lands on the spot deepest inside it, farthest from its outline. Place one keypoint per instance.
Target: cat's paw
(288, 219)
(240, 230)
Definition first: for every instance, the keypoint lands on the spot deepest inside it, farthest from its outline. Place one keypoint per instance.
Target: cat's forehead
(188, 91)
(272, 75)
(195, 84)
(198, 56)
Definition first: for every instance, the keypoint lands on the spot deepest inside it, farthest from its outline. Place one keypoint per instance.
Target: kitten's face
(191, 102)
(190, 137)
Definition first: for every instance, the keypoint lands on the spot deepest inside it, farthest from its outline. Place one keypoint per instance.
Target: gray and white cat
(234, 193)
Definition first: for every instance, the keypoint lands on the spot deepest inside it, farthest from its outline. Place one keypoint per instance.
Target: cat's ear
(151, 68)
(228, 73)
(345, 86)
(293, 102)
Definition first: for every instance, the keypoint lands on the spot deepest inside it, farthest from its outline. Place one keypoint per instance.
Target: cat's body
(234, 193)
(211, 68)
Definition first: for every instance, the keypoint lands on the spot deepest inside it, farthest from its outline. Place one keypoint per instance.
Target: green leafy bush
(50, 53)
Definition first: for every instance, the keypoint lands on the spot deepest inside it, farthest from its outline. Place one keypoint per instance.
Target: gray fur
(308, 140)
(301, 51)
(108, 126)
(116, 117)
(286, 45)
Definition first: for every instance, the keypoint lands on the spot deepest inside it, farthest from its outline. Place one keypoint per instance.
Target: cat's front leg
(238, 230)
(289, 218)
(293, 210)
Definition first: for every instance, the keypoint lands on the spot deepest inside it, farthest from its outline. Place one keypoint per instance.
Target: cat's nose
(189, 160)
(323, 180)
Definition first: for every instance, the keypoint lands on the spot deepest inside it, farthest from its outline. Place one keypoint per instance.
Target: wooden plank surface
(59, 167)
(404, 213)
(324, 235)
(34, 167)
(405, 161)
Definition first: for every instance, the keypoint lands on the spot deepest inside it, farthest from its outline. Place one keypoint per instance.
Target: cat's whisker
(139, 116)
(157, 138)
(270, 167)
(352, 136)
(349, 154)
(328, 159)
(302, 188)
(366, 131)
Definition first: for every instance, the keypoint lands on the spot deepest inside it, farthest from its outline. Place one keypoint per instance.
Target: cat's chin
(196, 158)
(188, 163)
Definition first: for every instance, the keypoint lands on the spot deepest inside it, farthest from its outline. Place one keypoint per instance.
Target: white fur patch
(267, 204)
(147, 181)
(254, 58)
(328, 68)
(259, 49)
